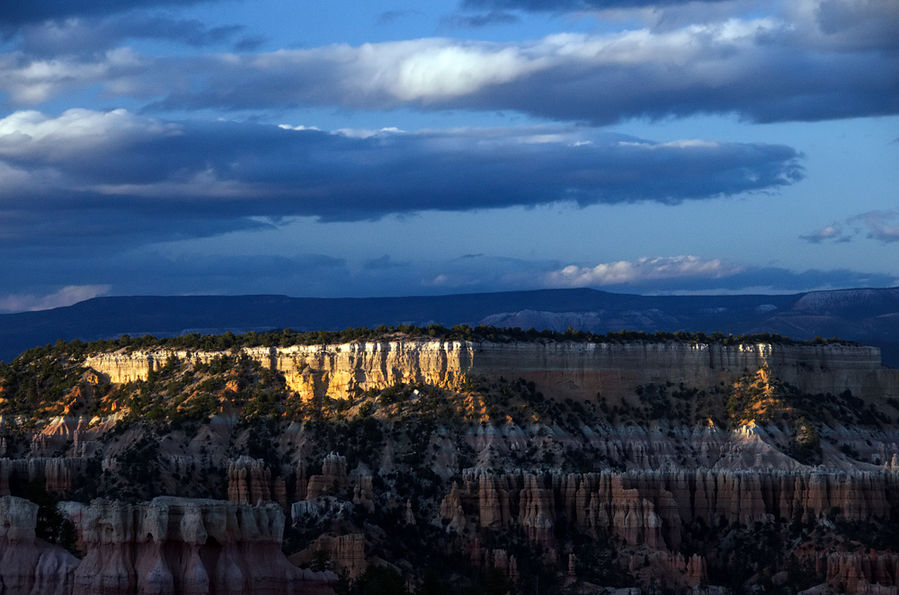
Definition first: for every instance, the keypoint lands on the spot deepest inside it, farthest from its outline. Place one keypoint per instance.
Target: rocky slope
(473, 466)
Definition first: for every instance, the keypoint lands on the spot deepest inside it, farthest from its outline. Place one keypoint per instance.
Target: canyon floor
(138, 467)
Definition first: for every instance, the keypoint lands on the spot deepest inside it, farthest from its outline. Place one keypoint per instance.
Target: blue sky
(407, 148)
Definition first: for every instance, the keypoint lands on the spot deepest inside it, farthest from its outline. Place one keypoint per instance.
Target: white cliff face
(560, 369)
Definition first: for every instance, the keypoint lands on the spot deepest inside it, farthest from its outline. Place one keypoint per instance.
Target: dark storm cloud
(92, 35)
(114, 173)
(18, 12)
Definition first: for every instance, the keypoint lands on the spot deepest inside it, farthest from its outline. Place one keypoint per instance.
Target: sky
(349, 149)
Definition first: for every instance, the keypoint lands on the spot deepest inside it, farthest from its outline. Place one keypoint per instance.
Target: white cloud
(65, 296)
(834, 233)
(31, 133)
(825, 59)
(640, 270)
(451, 70)
(32, 80)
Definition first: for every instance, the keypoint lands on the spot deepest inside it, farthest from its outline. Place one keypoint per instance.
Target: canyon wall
(560, 369)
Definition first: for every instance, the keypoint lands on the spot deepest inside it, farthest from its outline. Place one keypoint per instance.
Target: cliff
(571, 466)
(563, 369)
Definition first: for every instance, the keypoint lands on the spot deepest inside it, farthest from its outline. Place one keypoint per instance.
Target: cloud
(382, 262)
(89, 174)
(882, 226)
(573, 5)
(19, 13)
(762, 69)
(30, 80)
(691, 274)
(815, 60)
(138, 272)
(65, 296)
(566, 5)
(391, 16)
(832, 233)
(476, 21)
(97, 34)
(624, 272)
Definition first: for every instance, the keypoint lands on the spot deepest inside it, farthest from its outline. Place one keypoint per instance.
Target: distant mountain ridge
(869, 316)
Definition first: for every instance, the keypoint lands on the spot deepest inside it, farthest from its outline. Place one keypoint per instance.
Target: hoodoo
(561, 462)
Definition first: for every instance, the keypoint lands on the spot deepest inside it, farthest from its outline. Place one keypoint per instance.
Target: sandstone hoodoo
(479, 460)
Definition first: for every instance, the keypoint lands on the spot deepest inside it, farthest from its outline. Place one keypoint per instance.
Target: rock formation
(56, 474)
(345, 552)
(593, 464)
(333, 478)
(179, 545)
(249, 481)
(564, 369)
(29, 565)
(652, 507)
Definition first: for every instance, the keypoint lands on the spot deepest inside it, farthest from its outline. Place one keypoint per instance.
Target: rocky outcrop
(564, 369)
(249, 481)
(333, 478)
(651, 508)
(314, 370)
(863, 572)
(345, 552)
(537, 511)
(180, 545)
(27, 564)
(56, 474)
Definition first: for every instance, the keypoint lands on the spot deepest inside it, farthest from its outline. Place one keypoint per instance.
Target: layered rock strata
(563, 369)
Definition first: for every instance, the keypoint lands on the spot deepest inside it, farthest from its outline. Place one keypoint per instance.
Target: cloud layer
(641, 271)
(825, 59)
(20, 13)
(145, 175)
(692, 274)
